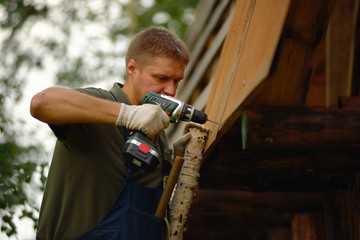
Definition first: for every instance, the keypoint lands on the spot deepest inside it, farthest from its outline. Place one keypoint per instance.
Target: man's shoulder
(96, 92)
(114, 94)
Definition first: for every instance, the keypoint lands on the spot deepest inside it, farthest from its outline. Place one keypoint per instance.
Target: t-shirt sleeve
(67, 133)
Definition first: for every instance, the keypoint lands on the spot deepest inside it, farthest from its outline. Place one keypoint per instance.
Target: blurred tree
(82, 42)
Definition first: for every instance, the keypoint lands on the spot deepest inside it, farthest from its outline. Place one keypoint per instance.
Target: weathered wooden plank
(256, 57)
(249, 47)
(233, 44)
(340, 46)
(291, 69)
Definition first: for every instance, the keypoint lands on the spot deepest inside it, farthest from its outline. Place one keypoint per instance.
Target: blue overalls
(132, 216)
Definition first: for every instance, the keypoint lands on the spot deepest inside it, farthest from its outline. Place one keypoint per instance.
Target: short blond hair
(157, 42)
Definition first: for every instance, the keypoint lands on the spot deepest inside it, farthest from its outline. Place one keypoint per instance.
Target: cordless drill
(142, 152)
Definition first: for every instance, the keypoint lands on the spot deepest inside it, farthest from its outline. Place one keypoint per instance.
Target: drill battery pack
(141, 151)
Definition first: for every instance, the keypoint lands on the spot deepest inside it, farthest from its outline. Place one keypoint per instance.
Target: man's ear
(131, 67)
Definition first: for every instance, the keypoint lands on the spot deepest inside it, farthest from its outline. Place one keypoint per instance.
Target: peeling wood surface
(187, 184)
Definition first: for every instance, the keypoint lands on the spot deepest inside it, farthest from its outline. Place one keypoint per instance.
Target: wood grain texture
(246, 57)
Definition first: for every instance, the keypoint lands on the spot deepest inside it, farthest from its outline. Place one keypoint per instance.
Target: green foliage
(96, 27)
(81, 41)
(175, 15)
(18, 165)
(16, 172)
(18, 12)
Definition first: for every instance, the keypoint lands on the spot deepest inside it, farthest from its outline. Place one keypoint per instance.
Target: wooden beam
(298, 149)
(228, 167)
(299, 128)
(227, 201)
(356, 70)
(296, 55)
(349, 103)
(279, 233)
(308, 226)
(221, 214)
(347, 203)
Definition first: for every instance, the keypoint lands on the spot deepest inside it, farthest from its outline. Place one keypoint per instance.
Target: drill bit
(211, 121)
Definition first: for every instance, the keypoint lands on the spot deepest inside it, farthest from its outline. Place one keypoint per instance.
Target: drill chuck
(199, 116)
(189, 113)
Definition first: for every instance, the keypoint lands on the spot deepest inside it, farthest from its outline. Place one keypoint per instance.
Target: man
(92, 192)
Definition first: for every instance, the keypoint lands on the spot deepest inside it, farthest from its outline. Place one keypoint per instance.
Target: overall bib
(132, 216)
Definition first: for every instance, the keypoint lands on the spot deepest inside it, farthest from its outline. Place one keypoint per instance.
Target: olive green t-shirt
(86, 174)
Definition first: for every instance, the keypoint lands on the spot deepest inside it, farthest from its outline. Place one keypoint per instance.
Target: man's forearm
(59, 106)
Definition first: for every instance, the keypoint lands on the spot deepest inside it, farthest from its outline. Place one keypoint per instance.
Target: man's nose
(170, 88)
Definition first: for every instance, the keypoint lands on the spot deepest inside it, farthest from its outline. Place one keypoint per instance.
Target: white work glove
(180, 144)
(147, 118)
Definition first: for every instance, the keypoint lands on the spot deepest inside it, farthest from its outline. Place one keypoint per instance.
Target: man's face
(160, 75)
